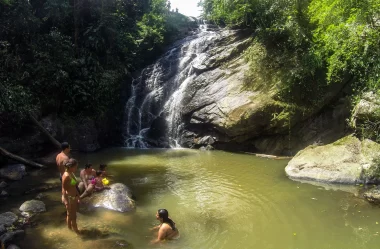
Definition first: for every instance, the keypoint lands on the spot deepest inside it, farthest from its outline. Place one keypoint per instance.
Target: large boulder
(13, 172)
(33, 206)
(347, 161)
(117, 198)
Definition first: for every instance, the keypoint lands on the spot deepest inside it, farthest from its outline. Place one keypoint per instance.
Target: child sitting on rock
(102, 167)
(99, 182)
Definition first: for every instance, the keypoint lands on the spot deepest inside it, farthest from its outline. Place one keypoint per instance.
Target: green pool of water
(218, 200)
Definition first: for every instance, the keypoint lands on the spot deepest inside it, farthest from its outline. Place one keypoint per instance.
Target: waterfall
(158, 91)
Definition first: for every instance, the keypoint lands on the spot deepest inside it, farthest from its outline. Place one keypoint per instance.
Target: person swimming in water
(166, 229)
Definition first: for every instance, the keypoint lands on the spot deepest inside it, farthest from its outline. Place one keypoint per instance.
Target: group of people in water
(91, 180)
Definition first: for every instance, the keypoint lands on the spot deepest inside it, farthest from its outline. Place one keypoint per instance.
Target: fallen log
(12, 156)
(44, 187)
(45, 132)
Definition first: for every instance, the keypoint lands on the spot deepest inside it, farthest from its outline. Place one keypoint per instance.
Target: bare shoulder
(65, 176)
(165, 227)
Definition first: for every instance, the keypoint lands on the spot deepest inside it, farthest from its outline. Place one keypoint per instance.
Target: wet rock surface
(117, 198)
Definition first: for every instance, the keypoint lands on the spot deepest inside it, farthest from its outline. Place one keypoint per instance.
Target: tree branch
(45, 132)
(20, 159)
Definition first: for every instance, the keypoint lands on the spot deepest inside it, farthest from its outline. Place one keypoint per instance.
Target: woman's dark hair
(102, 166)
(164, 215)
(87, 166)
(99, 172)
(70, 163)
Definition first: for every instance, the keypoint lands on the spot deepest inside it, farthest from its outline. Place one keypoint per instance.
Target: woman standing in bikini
(69, 182)
(167, 228)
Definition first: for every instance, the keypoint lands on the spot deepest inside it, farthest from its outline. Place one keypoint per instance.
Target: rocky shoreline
(15, 220)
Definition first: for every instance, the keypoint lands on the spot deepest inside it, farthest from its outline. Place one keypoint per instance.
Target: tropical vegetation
(72, 57)
(309, 44)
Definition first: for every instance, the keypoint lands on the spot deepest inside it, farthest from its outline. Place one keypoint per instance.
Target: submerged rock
(347, 161)
(13, 172)
(117, 198)
(110, 243)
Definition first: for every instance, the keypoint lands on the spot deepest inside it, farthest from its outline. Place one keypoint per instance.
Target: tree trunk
(45, 132)
(20, 159)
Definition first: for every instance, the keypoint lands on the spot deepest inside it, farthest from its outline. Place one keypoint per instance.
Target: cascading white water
(160, 87)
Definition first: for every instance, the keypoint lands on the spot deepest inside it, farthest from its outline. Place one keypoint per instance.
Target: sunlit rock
(31, 207)
(117, 198)
(348, 160)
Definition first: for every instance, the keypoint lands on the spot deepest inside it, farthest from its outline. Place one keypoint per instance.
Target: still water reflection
(218, 200)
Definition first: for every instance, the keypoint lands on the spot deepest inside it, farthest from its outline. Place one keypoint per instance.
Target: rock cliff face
(195, 96)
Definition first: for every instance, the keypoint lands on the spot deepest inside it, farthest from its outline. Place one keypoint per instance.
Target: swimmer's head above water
(163, 216)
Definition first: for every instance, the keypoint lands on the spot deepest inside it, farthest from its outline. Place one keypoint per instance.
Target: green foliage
(347, 36)
(70, 57)
(306, 45)
(371, 130)
(302, 49)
